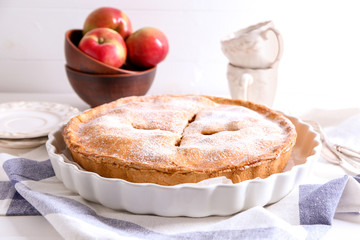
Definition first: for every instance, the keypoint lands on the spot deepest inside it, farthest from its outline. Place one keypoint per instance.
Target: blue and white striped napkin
(31, 188)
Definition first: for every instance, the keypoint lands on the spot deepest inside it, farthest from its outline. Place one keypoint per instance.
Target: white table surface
(37, 227)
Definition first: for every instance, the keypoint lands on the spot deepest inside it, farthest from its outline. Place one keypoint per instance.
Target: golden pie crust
(170, 139)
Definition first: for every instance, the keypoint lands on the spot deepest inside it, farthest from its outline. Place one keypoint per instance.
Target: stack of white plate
(27, 124)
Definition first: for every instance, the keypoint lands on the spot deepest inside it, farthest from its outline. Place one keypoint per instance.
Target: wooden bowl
(97, 89)
(78, 60)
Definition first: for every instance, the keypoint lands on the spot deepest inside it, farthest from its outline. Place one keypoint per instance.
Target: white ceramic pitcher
(256, 85)
(257, 46)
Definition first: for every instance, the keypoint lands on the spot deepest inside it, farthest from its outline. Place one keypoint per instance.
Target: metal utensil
(344, 156)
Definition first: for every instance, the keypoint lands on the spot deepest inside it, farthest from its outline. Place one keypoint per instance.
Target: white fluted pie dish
(192, 200)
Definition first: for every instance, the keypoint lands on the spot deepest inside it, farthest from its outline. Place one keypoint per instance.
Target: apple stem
(101, 40)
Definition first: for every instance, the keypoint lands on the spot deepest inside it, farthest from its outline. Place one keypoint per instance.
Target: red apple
(147, 47)
(110, 18)
(105, 45)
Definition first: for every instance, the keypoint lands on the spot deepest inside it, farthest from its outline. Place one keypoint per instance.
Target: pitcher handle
(279, 41)
(245, 81)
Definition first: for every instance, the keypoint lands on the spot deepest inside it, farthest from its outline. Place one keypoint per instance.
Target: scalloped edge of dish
(191, 200)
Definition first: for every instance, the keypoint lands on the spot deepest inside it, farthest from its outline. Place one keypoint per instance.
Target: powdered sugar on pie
(176, 139)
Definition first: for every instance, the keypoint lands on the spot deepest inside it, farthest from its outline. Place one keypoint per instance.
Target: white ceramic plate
(23, 143)
(32, 119)
(191, 200)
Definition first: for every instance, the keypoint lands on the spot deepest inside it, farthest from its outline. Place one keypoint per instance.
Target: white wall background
(320, 60)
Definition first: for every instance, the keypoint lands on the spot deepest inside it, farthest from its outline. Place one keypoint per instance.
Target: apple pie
(174, 139)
